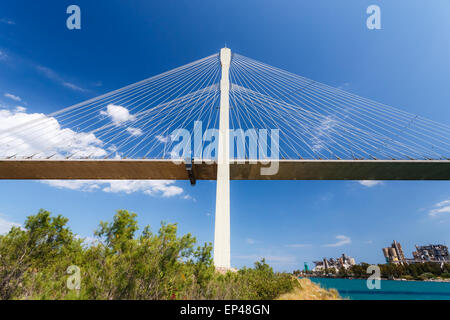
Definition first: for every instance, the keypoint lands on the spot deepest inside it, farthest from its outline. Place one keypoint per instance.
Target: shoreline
(383, 279)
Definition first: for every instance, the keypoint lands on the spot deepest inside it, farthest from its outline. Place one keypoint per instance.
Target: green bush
(122, 265)
(426, 276)
(261, 283)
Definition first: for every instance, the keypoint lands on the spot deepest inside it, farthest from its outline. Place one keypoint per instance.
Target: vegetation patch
(123, 264)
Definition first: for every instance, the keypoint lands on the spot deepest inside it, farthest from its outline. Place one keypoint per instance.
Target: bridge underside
(167, 170)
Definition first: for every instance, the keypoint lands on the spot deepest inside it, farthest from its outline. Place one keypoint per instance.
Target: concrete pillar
(222, 223)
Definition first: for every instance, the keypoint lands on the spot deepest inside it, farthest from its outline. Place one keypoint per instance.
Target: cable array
(315, 121)
(133, 122)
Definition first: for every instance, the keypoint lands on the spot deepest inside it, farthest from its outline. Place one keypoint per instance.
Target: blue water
(390, 290)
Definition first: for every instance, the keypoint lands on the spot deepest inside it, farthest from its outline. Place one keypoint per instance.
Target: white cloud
(326, 197)
(72, 86)
(26, 134)
(342, 240)
(82, 185)
(298, 245)
(321, 133)
(162, 139)
(163, 188)
(250, 241)
(20, 109)
(344, 86)
(118, 114)
(188, 197)
(7, 21)
(52, 75)
(443, 203)
(134, 131)
(12, 97)
(439, 208)
(434, 212)
(3, 55)
(370, 183)
(5, 225)
(45, 138)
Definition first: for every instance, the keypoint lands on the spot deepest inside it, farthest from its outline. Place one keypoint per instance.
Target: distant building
(306, 267)
(431, 253)
(394, 254)
(336, 264)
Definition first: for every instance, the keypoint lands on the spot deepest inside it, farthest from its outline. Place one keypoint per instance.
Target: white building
(336, 264)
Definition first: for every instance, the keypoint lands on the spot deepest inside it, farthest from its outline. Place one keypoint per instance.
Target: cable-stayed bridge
(175, 126)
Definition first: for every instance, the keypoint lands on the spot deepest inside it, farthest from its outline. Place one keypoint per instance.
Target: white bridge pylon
(222, 220)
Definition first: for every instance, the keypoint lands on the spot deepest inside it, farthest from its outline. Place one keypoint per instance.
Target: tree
(117, 233)
(162, 265)
(43, 241)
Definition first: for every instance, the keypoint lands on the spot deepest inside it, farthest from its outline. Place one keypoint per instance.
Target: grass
(307, 290)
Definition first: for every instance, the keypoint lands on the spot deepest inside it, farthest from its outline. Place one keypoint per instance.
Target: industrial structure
(343, 261)
(394, 254)
(431, 253)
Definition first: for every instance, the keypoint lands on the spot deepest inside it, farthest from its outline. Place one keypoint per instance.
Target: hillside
(307, 290)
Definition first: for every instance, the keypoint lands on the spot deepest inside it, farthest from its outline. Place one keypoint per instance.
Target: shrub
(122, 265)
(426, 276)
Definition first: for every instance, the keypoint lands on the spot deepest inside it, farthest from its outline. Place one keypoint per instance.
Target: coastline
(382, 279)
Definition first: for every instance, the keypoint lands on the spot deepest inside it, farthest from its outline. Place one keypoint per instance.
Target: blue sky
(45, 67)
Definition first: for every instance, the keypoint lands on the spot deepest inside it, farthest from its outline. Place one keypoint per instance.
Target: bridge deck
(167, 170)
